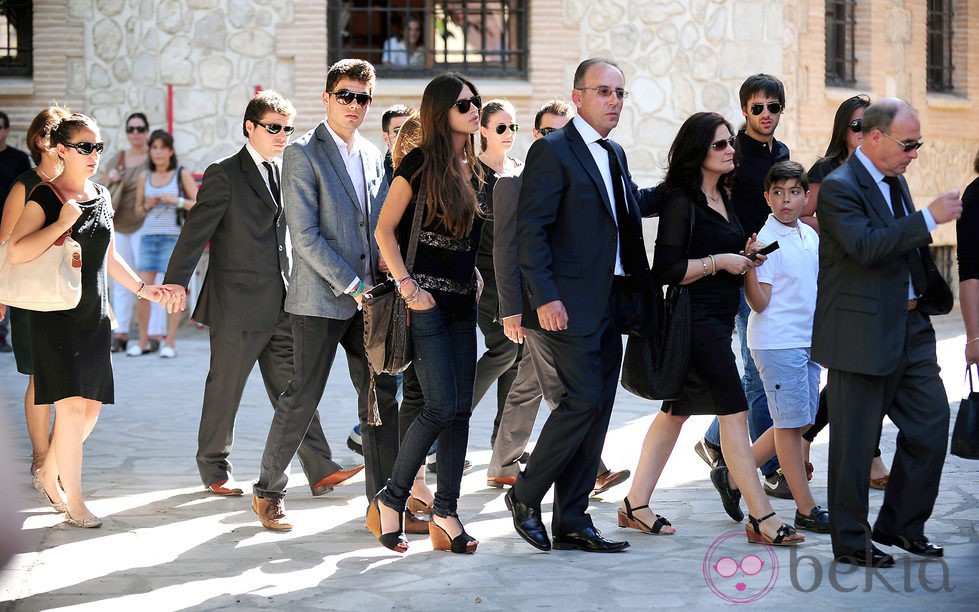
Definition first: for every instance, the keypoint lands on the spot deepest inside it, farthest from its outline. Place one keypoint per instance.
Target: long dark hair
(449, 193)
(687, 153)
(167, 141)
(837, 150)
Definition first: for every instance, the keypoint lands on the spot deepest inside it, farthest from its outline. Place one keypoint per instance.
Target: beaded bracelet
(397, 283)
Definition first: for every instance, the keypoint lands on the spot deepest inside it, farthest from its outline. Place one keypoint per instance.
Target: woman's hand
(971, 353)
(151, 202)
(70, 213)
(732, 263)
(423, 300)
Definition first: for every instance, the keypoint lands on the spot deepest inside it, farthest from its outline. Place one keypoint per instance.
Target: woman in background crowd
(967, 239)
(405, 49)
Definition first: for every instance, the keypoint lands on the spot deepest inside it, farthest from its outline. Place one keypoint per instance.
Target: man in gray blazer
(877, 287)
(536, 374)
(333, 186)
(242, 297)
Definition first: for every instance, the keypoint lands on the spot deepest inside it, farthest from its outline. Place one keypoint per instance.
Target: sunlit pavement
(166, 545)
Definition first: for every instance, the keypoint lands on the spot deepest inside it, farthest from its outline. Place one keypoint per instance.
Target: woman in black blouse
(707, 260)
(967, 239)
(440, 292)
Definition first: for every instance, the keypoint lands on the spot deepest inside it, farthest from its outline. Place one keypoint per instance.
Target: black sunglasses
(855, 126)
(275, 128)
(907, 147)
(720, 145)
(86, 148)
(502, 128)
(463, 105)
(136, 128)
(345, 96)
(773, 107)
(546, 130)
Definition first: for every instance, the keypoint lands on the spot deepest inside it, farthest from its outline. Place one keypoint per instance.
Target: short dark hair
(354, 69)
(266, 101)
(553, 107)
(489, 109)
(167, 140)
(579, 73)
(880, 115)
(6, 120)
(398, 110)
(764, 83)
(786, 171)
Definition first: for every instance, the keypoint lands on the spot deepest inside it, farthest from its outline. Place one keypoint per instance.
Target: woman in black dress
(967, 239)
(71, 347)
(708, 261)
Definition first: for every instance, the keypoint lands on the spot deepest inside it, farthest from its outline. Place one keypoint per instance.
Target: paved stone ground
(168, 546)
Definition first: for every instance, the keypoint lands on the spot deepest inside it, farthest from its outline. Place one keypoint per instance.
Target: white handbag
(51, 281)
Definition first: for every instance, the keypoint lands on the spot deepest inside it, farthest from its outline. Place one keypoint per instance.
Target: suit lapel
(878, 205)
(581, 151)
(329, 147)
(253, 176)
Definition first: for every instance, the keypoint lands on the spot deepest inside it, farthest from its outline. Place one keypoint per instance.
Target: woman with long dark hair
(440, 292)
(70, 348)
(698, 244)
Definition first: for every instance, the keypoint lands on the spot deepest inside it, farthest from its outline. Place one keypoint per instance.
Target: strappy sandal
(785, 536)
(392, 540)
(461, 544)
(626, 519)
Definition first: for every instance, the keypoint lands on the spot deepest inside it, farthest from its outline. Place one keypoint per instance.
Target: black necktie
(918, 277)
(273, 184)
(622, 216)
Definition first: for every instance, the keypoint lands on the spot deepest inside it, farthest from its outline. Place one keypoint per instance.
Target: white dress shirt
(591, 138)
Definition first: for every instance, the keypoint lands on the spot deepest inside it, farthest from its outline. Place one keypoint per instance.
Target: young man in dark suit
(583, 262)
(877, 287)
(239, 214)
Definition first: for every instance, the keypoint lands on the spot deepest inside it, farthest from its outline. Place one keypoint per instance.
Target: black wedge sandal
(785, 536)
(626, 519)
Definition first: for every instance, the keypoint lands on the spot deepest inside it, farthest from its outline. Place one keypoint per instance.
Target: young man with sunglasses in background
(238, 212)
(762, 98)
(391, 122)
(333, 186)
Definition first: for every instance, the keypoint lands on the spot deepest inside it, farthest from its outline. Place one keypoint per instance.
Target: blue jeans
(445, 364)
(759, 419)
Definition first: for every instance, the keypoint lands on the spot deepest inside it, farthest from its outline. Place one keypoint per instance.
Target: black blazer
(566, 234)
(248, 268)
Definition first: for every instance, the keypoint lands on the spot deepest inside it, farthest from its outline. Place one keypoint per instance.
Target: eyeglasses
(855, 126)
(136, 128)
(773, 107)
(546, 130)
(750, 565)
(275, 128)
(463, 105)
(907, 147)
(502, 128)
(720, 145)
(605, 91)
(86, 148)
(345, 97)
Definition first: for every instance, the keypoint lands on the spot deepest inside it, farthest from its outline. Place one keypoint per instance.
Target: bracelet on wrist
(411, 297)
(142, 286)
(968, 342)
(406, 279)
(360, 289)
(703, 262)
(713, 264)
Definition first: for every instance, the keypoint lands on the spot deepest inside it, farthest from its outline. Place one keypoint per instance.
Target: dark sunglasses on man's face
(773, 107)
(136, 128)
(855, 126)
(906, 146)
(275, 128)
(502, 128)
(86, 148)
(345, 97)
(463, 106)
(544, 131)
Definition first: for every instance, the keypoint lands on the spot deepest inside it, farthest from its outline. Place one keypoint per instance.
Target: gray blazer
(505, 264)
(331, 239)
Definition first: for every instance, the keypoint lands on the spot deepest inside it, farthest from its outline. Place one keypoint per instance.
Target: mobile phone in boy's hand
(765, 251)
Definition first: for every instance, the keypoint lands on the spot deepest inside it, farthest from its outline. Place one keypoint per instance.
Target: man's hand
(553, 316)
(359, 298)
(513, 329)
(946, 207)
(175, 298)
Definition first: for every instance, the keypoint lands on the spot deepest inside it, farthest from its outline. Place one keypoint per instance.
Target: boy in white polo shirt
(782, 297)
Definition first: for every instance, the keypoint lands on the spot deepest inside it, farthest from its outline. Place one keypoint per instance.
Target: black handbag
(965, 434)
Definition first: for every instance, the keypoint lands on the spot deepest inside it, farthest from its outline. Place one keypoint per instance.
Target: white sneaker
(167, 353)
(134, 351)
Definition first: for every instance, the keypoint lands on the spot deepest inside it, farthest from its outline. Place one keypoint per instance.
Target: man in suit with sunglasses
(877, 287)
(241, 301)
(583, 264)
(333, 186)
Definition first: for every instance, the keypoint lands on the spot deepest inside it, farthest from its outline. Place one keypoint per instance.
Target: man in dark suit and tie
(242, 297)
(877, 287)
(333, 186)
(583, 262)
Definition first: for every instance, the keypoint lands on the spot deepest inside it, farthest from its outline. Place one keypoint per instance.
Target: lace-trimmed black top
(444, 264)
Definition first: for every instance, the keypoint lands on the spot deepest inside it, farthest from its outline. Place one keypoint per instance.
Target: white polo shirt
(791, 271)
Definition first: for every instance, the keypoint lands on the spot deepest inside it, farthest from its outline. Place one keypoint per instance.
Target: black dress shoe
(816, 521)
(916, 546)
(877, 558)
(526, 520)
(730, 498)
(588, 539)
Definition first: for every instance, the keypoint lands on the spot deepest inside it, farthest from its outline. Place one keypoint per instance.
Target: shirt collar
(779, 228)
(749, 143)
(587, 132)
(257, 157)
(876, 174)
(342, 144)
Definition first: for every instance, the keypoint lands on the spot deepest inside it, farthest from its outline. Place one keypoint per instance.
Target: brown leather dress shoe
(499, 482)
(218, 488)
(609, 479)
(413, 524)
(271, 512)
(325, 485)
